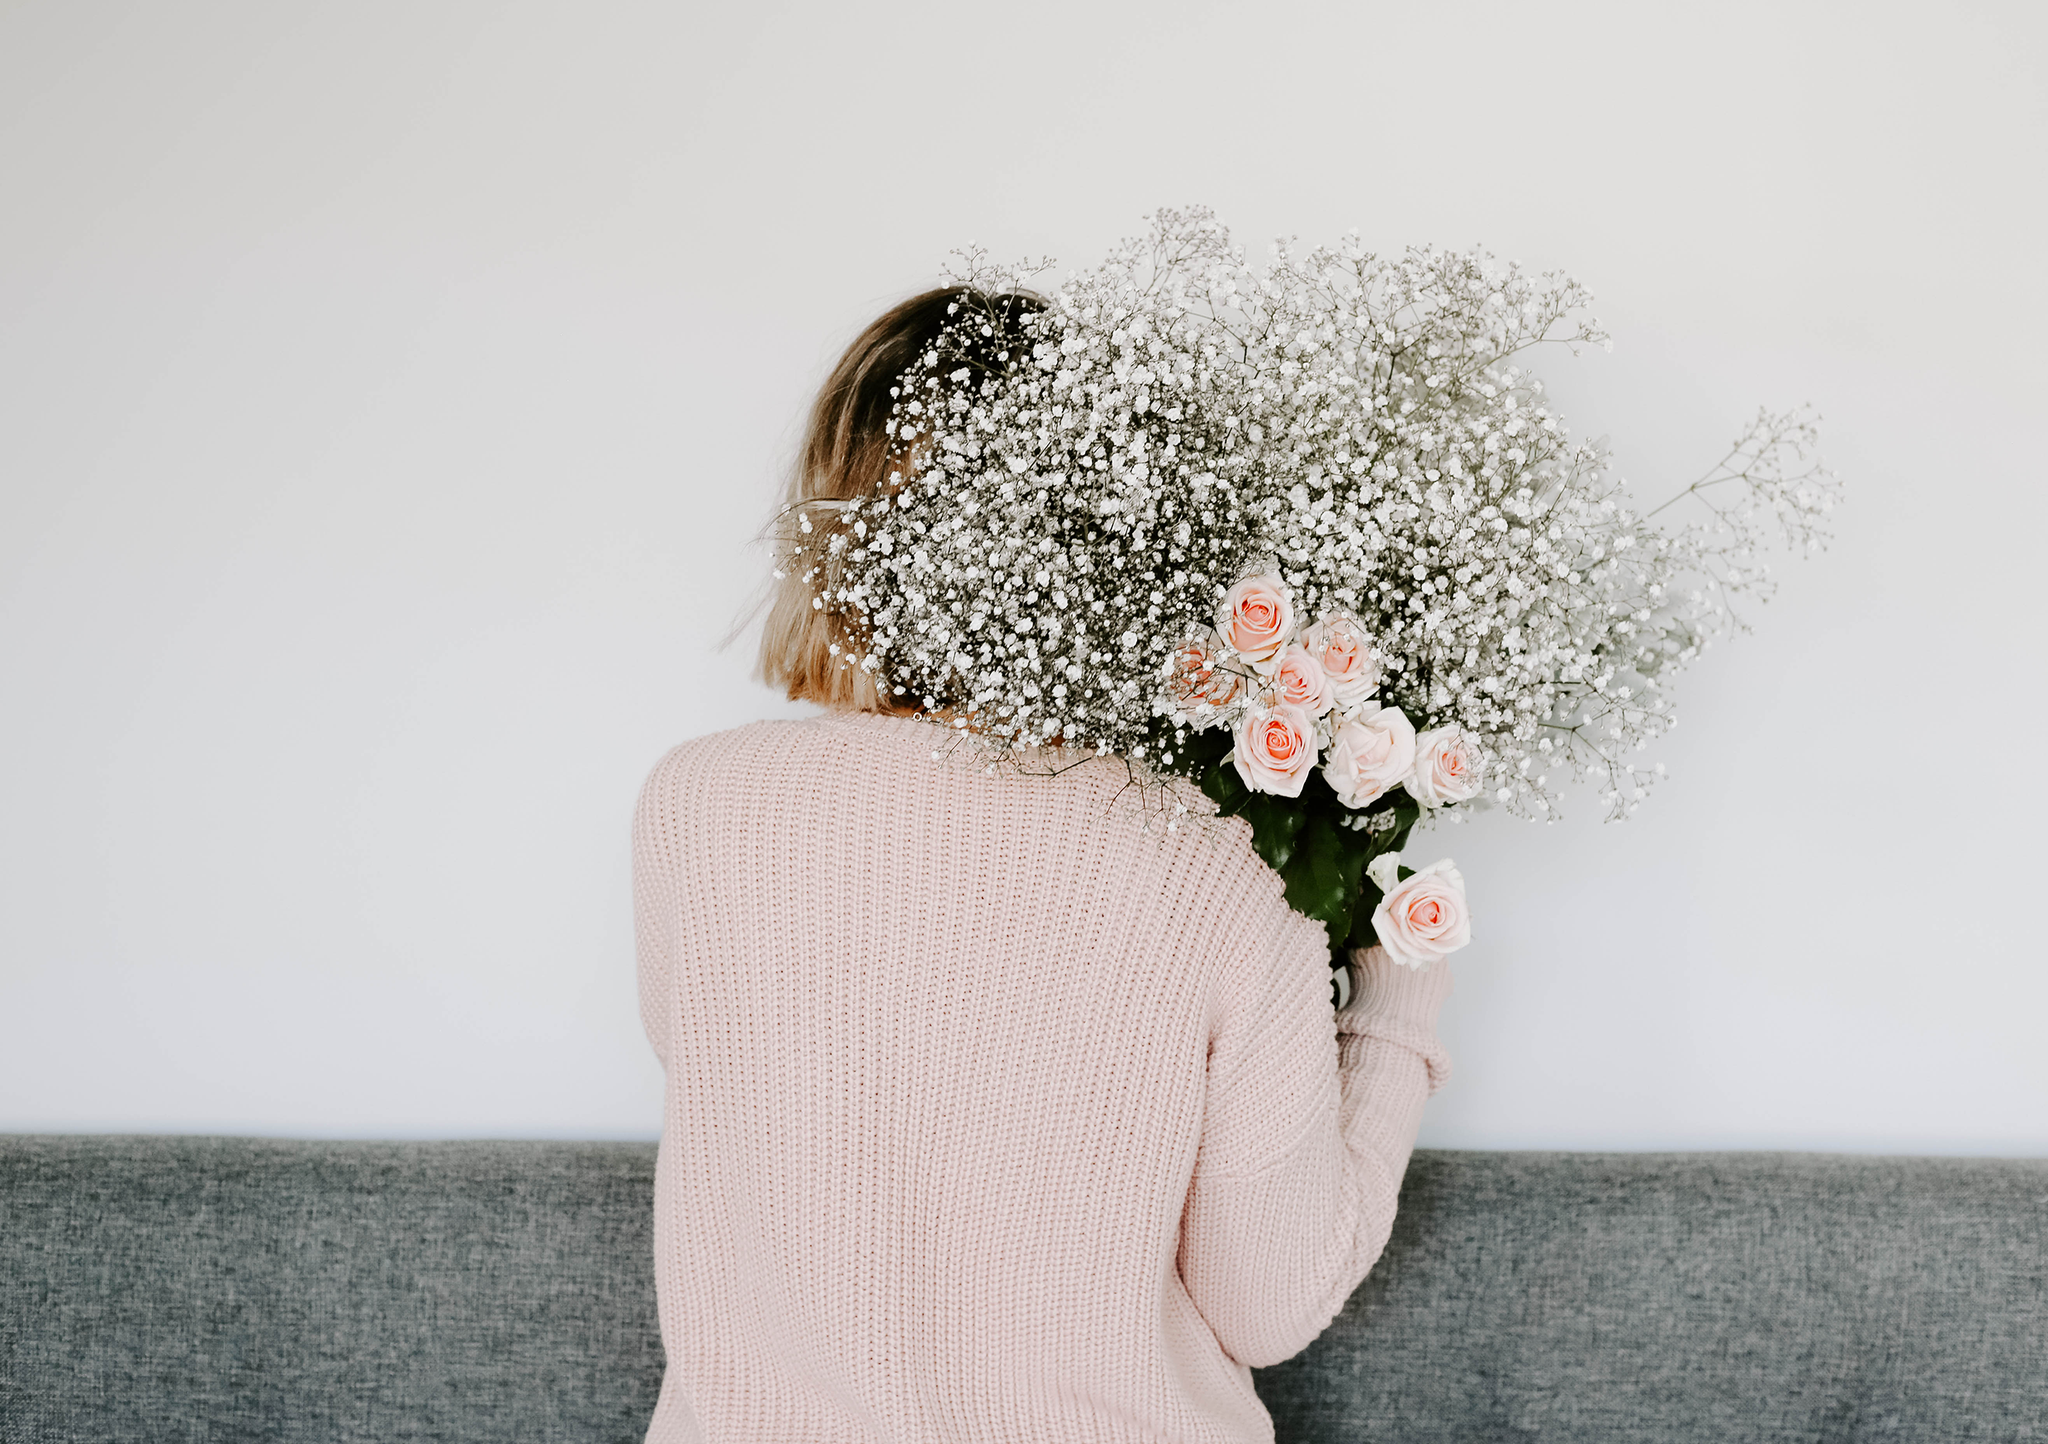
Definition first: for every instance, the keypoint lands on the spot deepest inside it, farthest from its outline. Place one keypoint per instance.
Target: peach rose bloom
(1445, 770)
(1425, 917)
(1256, 617)
(1299, 682)
(1276, 748)
(1194, 680)
(1371, 752)
(1341, 648)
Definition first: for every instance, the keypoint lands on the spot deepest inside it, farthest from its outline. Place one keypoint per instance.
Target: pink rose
(1425, 917)
(1371, 751)
(1195, 681)
(1256, 618)
(1341, 648)
(1445, 770)
(1299, 682)
(1276, 747)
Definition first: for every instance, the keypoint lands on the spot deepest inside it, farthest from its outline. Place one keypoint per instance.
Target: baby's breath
(1083, 483)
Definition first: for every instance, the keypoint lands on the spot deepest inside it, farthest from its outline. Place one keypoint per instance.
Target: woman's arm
(657, 864)
(1303, 1150)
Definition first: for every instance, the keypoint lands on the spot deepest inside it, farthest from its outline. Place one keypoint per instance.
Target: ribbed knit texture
(989, 1115)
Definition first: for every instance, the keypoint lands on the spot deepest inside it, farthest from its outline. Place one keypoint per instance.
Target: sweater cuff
(1399, 1005)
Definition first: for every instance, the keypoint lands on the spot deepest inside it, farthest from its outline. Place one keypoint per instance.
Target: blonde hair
(808, 648)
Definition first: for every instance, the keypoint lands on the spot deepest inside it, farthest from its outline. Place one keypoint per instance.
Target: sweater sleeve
(657, 894)
(1308, 1132)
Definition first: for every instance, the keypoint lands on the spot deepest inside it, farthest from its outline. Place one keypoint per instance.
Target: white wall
(387, 394)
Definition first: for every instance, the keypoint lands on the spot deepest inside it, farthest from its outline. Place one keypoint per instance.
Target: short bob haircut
(808, 650)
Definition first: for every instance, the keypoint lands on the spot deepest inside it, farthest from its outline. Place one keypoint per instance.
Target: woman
(990, 1115)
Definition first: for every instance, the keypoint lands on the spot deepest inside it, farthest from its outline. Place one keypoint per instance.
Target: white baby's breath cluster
(1089, 487)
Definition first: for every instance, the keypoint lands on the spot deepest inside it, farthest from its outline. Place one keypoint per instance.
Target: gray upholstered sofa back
(170, 1289)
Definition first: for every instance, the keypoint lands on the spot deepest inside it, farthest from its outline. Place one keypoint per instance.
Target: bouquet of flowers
(1306, 534)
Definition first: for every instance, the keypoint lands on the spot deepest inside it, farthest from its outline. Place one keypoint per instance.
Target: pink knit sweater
(989, 1115)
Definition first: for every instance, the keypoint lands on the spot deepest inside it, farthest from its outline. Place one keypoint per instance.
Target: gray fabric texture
(1678, 1297)
(226, 1289)
(174, 1289)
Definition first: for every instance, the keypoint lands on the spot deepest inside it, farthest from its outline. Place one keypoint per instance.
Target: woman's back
(990, 1115)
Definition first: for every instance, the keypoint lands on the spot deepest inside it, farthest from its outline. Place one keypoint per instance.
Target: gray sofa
(169, 1289)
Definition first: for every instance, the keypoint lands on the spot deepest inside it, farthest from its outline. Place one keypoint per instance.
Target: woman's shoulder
(753, 748)
(699, 759)
(1185, 857)
(726, 741)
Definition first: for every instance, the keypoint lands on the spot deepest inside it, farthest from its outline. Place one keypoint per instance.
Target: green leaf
(1407, 813)
(1221, 784)
(1322, 876)
(1315, 884)
(1276, 823)
(1320, 862)
(1198, 752)
(1362, 933)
